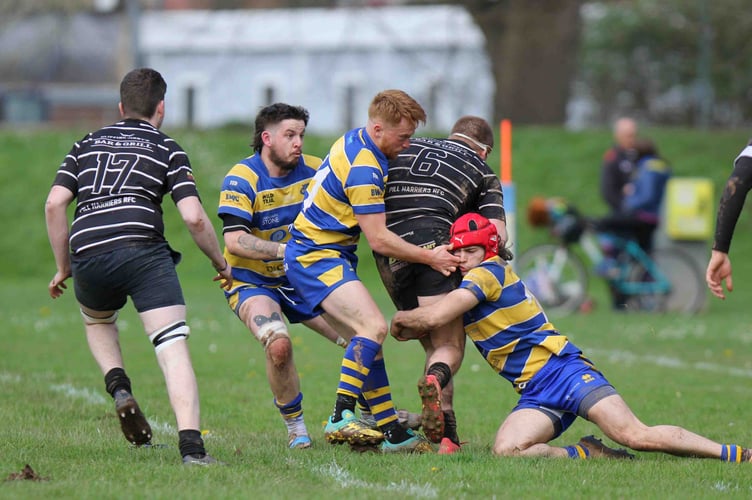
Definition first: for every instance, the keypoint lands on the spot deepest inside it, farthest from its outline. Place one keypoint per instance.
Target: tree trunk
(533, 48)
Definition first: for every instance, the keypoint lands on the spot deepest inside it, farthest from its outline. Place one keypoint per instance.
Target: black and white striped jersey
(434, 181)
(119, 175)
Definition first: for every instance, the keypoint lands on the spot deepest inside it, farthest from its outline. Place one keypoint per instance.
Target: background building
(221, 66)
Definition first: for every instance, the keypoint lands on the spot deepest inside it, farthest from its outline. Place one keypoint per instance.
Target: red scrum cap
(473, 229)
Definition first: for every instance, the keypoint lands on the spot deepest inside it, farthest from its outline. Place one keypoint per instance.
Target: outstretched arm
(203, 234)
(249, 246)
(729, 209)
(385, 242)
(55, 213)
(732, 202)
(410, 324)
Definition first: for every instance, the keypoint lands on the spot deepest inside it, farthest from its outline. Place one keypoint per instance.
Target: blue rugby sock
(292, 409)
(356, 365)
(731, 453)
(577, 451)
(379, 395)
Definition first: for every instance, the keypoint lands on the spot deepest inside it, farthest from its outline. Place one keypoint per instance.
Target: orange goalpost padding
(510, 197)
(505, 129)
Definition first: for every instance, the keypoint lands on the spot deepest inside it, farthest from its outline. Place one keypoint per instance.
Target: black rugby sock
(190, 442)
(115, 380)
(343, 402)
(442, 372)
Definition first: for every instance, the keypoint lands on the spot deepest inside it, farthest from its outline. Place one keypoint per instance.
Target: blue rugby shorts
(316, 273)
(295, 309)
(565, 388)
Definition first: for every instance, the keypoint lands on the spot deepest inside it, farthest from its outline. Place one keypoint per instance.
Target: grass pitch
(56, 417)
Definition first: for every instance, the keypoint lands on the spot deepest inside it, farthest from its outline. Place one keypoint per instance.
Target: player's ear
(160, 111)
(266, 138)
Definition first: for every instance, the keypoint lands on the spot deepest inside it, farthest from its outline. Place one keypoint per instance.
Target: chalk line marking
(6, 377)
(86, 394)
(345, 480)
(89, 396)
(618, 356)
(94, 398)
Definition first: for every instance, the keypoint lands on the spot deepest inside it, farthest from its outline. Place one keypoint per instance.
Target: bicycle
(666, 280)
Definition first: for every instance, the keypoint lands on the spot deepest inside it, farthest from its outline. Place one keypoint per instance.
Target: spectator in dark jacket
(618, 163)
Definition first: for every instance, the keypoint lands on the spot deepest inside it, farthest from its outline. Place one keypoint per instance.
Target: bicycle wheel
(687, 291)
(687, 282)
(557, 277)
(643, 293)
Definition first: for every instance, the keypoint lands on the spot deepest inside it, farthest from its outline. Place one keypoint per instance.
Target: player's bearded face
(283, 162)
(287, 143)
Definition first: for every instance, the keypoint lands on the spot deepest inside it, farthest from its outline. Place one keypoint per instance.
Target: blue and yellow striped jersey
(264, 206)
(350, 181)
(508, 326)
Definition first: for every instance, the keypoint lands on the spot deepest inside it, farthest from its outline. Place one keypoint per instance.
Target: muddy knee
(275, 338)
(279, 349)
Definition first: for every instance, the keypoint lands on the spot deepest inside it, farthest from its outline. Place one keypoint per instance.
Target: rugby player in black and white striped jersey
(115, 248)
(430, 184)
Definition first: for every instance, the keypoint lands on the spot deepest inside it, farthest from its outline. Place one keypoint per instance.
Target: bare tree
(533, 46)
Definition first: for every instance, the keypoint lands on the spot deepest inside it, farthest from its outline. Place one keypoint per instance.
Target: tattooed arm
(248, 246)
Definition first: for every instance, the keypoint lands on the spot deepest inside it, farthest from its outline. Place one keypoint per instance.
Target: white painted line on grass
(90, 396)
(163, 427)
(345, 480)
(728, 487)
(618, 356)
(86, 394)
(94, 398)
(9, 377)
